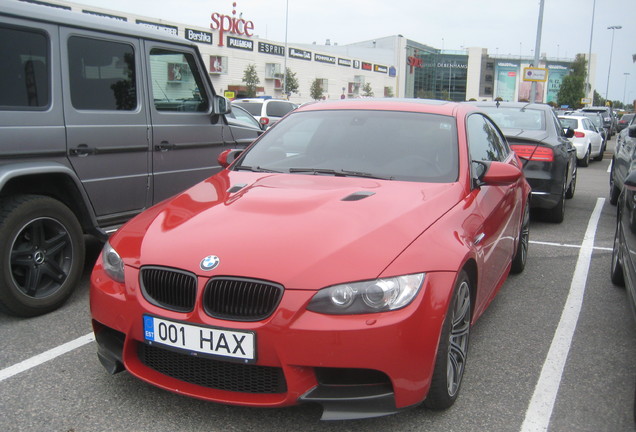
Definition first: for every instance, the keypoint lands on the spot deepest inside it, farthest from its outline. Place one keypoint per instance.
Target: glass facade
(436, 74)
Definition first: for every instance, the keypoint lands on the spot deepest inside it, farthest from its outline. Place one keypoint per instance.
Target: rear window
(253, 108)
(517, 118)
(25, 71)
(569, 123)
(278, 109)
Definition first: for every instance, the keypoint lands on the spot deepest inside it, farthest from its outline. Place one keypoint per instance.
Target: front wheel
(41, 254)
(452, 351)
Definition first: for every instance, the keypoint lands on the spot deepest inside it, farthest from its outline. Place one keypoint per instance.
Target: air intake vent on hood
(236, 188)
(357, 196)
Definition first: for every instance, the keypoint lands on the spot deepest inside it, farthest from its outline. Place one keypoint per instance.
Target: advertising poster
(524, 91)
(555, 77)
(506, 83)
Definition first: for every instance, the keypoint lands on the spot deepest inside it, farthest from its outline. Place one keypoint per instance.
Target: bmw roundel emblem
(210, 262)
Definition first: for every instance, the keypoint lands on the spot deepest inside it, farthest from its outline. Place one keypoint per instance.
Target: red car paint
(296, 230)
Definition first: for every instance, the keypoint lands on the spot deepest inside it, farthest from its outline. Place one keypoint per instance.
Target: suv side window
(25, 71)
(176, 82)
(101, 74)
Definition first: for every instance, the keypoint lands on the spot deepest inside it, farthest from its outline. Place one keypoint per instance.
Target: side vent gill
(357, 196)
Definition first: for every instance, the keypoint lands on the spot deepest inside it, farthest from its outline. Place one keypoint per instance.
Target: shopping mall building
(392, 66)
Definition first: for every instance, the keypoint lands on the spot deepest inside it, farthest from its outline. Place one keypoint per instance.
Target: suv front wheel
(41, 254)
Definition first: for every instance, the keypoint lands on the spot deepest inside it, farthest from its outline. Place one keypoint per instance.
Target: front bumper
(355, 366)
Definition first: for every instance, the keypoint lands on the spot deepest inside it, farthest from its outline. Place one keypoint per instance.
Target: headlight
(379, 295)
(112, 263)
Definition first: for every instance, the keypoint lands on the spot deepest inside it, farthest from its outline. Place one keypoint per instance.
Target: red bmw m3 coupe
(341, 259)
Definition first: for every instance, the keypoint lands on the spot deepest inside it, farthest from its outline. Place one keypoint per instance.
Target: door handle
(164, 146)
(81, 150)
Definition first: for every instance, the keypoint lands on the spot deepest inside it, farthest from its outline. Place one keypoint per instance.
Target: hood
(303, 231)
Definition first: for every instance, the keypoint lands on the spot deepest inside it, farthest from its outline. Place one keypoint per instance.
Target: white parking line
(568, 245)
(45, 356)
(542, 402)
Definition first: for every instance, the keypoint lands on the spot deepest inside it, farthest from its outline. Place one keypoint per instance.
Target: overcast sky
(501, 26)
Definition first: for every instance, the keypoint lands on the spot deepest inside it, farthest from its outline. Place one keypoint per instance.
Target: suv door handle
(164, 146)
(81, 150)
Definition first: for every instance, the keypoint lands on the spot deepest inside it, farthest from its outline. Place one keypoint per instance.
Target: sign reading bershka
(231, 24)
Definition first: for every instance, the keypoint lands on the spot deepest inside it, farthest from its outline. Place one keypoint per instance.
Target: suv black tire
(42, 254)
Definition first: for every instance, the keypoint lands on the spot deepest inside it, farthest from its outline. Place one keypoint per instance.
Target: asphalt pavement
(511, 374)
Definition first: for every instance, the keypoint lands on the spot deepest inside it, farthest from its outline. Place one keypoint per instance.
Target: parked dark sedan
(624, 121)
(623, 161)
(549, 158)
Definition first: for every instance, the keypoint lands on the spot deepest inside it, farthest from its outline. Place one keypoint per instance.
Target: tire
(521, 254)
(569, 193)
(41, 254)
(586, 159)
(614, 191)
(557, 213)
(616, 270)
(452, 351)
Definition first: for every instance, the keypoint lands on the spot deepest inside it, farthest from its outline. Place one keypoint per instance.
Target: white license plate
(198, 339)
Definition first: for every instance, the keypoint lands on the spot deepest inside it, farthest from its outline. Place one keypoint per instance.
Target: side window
(25, 72)
(101, 74)
(484, 141)
(176, 82)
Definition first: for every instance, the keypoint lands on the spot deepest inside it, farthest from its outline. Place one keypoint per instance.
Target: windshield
(253, 108)
(517, 118)
(594, 118)
(360, 143)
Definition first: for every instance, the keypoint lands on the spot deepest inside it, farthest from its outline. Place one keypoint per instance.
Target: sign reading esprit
(231, 24)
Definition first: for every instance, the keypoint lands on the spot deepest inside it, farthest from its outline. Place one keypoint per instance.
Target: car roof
(389, 104)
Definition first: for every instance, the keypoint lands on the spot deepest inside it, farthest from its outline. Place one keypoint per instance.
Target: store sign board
(167, 28)
(344, 62)
(232, 25)
(198, 36)
(324, 58)
(267, 48)
(380, 68)
(238, 43)
(299, 54)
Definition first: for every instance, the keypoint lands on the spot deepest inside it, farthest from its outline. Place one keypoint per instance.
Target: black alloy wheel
(41, 254)
(452, 352)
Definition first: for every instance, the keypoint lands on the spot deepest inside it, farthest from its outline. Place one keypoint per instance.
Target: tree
(573, 85)
(251, 80)
(367, 91)
(316, 89)
(291, 86)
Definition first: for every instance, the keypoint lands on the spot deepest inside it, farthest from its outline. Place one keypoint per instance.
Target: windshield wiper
(255, 169)
(339, 173)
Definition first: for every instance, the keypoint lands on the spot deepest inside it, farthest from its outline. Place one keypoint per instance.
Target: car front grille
(169, 288)
(241, 299)
(211, 373)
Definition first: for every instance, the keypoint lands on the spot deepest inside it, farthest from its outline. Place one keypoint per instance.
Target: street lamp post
(612, 28)
(285, 58)
(588, 87)
(625, 87)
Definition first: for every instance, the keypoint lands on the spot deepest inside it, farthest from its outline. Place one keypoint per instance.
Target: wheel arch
(470, 267)
(53, 180)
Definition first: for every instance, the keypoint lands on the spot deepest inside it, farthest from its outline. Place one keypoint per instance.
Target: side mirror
(226, 158)
(500, 174)
(222, 105)
(631, 131)
(569, 132)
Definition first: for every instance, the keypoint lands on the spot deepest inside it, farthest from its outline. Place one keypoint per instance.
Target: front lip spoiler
(351, 402)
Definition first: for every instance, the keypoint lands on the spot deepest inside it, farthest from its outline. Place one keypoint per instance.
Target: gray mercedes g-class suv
(99, 119)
